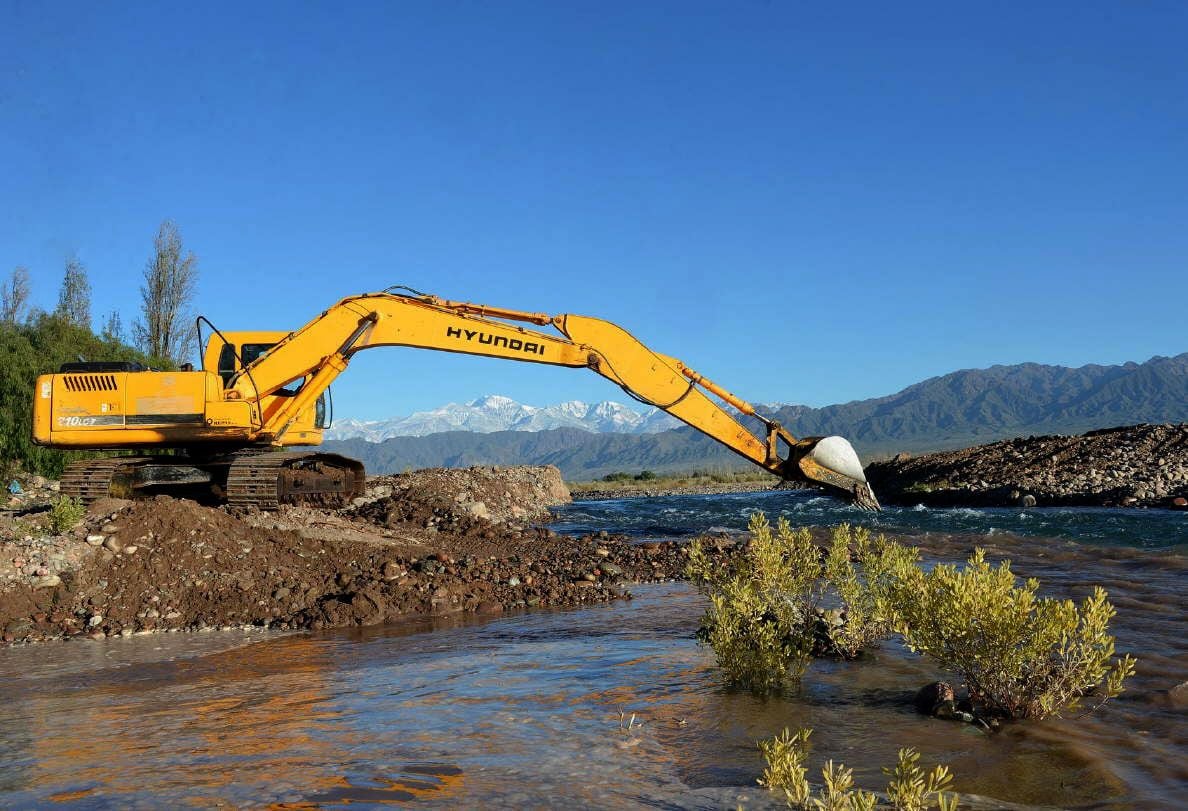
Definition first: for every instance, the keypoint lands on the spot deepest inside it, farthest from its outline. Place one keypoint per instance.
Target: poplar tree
(74, 299)
(14, 296)
(113, 328)
(170, 283)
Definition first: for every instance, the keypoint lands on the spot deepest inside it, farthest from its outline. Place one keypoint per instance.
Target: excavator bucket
(832, 462)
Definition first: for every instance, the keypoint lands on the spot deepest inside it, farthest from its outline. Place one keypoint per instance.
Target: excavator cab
(229, 353)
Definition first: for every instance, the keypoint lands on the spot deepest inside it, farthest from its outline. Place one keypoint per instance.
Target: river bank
(1133, 466)
(663, 489)
(433, 543)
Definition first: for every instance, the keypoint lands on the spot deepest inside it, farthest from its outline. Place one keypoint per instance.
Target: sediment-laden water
(524, 711)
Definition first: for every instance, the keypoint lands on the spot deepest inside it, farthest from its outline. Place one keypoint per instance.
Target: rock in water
(933, 695)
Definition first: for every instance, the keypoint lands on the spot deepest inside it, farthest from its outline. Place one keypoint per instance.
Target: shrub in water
(864, 590)
(910, 788)
(759, 622)
(65, 514)
(1020, 656)
(762, 622)
(785, 755)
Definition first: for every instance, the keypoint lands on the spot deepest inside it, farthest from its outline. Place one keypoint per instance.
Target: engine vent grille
(90, 382)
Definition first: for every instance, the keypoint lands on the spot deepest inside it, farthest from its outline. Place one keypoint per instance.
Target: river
(535, 709)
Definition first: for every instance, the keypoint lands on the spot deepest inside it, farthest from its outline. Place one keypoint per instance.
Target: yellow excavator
(259, 392)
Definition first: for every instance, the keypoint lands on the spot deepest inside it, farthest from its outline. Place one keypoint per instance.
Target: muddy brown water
(533, 710)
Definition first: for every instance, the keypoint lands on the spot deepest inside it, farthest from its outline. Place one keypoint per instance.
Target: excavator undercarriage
(260, 479)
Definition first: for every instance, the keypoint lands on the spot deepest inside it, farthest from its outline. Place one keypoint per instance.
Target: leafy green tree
(32, 349)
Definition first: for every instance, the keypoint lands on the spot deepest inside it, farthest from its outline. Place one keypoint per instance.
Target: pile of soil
(169, 564)
(515, 494)
(1134, 466)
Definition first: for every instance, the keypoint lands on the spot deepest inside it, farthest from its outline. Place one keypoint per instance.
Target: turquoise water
(676, 516)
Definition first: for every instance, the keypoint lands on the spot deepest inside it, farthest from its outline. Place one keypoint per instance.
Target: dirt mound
(514, 495)
(419, 546)
(1141, 465)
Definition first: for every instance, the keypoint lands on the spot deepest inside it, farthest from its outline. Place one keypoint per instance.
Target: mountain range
(963, 408)
(494, 412)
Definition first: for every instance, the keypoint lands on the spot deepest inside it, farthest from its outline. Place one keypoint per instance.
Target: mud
(433, 542)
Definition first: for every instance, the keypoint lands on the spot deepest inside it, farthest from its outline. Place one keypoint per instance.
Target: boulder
(931, 696)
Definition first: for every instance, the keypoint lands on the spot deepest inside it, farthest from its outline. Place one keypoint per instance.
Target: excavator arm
(320, 351)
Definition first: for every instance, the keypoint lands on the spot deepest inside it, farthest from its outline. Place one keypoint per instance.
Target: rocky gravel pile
(500, 495)
(1135, 466)
(35, 557)
(417, 545)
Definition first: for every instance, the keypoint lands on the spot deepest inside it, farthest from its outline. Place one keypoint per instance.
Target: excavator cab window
(248, 353)
(227, 363)
(320, 415)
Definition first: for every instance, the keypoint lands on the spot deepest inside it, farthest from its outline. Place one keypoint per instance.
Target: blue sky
(806, 204)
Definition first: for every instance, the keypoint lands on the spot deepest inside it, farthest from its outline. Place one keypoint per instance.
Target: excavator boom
(252, 398)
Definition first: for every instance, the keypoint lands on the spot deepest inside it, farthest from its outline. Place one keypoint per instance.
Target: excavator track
(261, 480)
(267, 480)
(93, 479)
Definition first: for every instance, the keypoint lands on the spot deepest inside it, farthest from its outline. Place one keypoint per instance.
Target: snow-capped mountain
(494, 412)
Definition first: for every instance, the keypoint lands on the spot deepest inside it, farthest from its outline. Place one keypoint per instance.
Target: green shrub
(65, 514)
(760, 619)
(785, 755)
(27, 350)
(839, 794)
(1019, 655)
(617, 477)
(864, 590)
(762, 622)
(645, 476)
(909, 789)
(26, 529)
